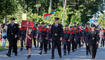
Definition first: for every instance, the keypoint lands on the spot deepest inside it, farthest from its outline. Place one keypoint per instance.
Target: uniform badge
(55, 34)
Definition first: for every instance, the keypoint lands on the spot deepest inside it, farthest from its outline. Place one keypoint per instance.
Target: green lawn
(1, 48)
(7, 45)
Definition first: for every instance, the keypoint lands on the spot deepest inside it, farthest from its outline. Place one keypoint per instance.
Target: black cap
(75, 26)
(56, 19)
(42, 23)
(12, 18)
(66, 26)
(70, 26)
(74, 22)
(87, 24)
(93, 25)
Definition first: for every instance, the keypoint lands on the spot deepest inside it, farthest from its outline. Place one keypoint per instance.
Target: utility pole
(50, 6)
(64, 8)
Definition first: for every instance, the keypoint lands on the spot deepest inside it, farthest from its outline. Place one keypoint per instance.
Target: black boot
(15, 54)
(40, 52)
(60, 56)
(28, 56)
(21, 49)
(8, 55)
(52, 57)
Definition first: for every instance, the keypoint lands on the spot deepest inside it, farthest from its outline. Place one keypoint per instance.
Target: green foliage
(7, 7)
(76, 17)
(101, 20)
(76, 10)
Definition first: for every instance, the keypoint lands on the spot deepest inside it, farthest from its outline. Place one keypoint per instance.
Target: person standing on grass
(12, 36)
(4, 35)
(28, 42)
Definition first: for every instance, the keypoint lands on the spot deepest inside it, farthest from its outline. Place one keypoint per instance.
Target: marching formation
(51, 37)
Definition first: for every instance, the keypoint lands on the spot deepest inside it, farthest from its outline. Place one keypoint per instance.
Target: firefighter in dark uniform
(77, 36)
(12, 35)
(93, 39)
(80, 31)
(86, 30)
(49, 36)
(57, 32)
(43, 38)
(38, 34)
(34, 31)
(73, 39)
(66, 40)
(22, 35)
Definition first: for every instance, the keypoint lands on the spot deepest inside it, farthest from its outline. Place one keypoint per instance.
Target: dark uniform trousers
(12, 45)
(56, 43)
(74, 45)
(23, 33)
(34, 38)
(87, 49)
(67, 47)
(43, 43)
(93, 50)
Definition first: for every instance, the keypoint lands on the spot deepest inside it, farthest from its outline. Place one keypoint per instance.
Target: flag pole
(26, 32)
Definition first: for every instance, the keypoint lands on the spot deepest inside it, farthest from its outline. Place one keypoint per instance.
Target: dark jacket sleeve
(97, 36)
(51, 30)
(61, 30)
(8, 32)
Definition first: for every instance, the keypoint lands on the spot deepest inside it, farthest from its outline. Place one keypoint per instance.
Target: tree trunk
(5, 19)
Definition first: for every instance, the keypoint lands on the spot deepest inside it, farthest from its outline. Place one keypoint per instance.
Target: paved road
(78, 55)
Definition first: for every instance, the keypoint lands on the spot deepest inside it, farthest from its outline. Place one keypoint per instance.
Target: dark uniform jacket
(93, 38)
(34, 32)
(56, 32)
(66, 35)
(43, 32)
(12, 31)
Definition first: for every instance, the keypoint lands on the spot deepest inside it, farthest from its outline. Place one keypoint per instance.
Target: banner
(27, 24)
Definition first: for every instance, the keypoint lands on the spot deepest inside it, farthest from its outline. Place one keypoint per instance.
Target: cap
(87, 24)
(66, 26)
(12, 18)
(42, 23)
(74, 22)
(93, 25)
(70, 26)
(56, 19)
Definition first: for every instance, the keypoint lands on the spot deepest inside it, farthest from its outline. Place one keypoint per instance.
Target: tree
(7, 7)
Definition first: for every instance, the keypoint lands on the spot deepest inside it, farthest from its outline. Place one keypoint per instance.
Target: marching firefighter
(66, 40)
(57, 32)
(49, 36)
(12, 36)
(22, 36)
(93, 40)
(43, 38)
(86, 31)
(74, 38)
(34, 31)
